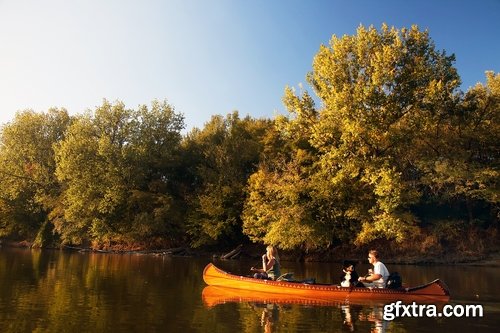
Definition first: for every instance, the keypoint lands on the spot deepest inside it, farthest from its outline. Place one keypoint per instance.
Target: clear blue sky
(207, 57)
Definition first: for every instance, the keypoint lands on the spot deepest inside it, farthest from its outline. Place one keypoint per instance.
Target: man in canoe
(378, 278)
(270, 265)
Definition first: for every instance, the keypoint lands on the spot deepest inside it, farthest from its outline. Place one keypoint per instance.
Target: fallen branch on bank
(81, 249)
(175, 251)
(234, 254)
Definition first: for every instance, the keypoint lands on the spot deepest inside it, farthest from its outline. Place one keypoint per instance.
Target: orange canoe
(433, 291)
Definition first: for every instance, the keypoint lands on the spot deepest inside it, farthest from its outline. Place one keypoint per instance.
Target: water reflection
(349, 316)
(375, 316)
(269, 317)
(353, 316)
(273, 307)
(55, 291)
(58, 291)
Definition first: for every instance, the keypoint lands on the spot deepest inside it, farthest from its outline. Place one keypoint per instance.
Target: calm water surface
(57, 291)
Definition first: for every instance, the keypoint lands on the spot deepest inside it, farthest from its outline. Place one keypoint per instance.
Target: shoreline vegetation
(254, 251)
(387, 152)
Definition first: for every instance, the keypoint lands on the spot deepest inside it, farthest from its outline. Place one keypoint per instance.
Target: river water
(60, 291)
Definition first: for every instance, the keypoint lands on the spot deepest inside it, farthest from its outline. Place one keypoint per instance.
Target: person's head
(272, 251)
(348, 265)
(372, 256)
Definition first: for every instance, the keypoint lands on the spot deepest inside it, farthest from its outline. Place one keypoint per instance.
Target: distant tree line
(394, 151)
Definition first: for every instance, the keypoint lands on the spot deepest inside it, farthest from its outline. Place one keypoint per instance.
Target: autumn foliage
(385, 147)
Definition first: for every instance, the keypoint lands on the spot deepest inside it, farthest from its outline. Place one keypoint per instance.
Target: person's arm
(374, 276)
(267, 265)
(370, 278)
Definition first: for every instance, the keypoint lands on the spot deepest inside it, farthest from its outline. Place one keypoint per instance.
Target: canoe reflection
(279, 310)
(214, 295)
(269, 306)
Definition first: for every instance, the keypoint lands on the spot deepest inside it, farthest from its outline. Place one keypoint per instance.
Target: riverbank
(254, 251)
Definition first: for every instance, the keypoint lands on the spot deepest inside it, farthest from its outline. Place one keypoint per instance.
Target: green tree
(387, 97)
(279, 209)
(387, 100)
(463, 180)
(228, 150)
(28, 185)
(115, 168)
(88, 164)
(155, 205)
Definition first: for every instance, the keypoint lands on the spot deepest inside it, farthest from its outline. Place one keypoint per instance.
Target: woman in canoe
(270, 265)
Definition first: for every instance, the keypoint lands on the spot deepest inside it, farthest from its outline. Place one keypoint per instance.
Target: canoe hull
(215, 295)
(433, 291)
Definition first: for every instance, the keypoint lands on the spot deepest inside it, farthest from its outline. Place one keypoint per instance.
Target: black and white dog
(349, 277)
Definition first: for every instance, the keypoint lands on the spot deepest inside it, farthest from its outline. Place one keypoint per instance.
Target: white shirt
(379, 268)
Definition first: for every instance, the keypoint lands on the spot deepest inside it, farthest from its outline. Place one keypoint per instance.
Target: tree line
(386, 148)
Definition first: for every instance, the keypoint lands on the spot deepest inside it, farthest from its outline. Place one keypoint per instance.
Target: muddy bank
(255, 251)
